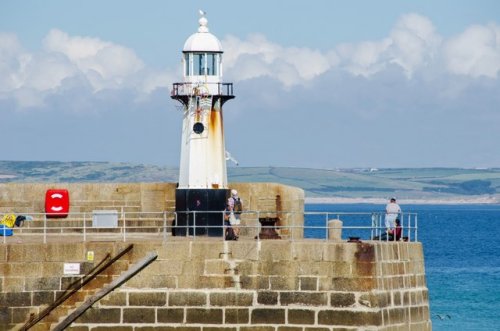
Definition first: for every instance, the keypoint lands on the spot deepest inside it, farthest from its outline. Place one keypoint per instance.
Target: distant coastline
(326, 186)
(377, 201)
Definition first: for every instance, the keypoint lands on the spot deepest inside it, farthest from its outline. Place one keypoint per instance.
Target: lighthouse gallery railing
(182, 89)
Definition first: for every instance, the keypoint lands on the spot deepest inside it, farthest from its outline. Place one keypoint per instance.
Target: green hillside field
(420, 184)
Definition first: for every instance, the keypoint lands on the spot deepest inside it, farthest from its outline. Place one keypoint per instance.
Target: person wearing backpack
(236, 208)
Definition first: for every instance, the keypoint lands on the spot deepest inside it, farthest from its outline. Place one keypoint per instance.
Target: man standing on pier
(392, 210)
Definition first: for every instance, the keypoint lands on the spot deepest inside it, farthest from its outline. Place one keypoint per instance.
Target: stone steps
(73, 300)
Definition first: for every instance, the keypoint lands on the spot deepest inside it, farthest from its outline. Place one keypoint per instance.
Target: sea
(461, 246)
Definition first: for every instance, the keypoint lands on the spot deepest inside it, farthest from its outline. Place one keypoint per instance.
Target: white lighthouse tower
(202, 172)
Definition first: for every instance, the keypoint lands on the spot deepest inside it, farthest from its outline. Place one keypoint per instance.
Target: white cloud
(90, 64)
(475, 52)
(309, 63)
(414, 42)
(257, 57)
(23, 76)
(44, 71)
(105, 64)
(157, 80)
(30, 77)
(248, 67)
(411, 44)
(10, 51)
(365, 58)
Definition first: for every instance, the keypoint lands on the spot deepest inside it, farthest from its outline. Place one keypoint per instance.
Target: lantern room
(202, 56)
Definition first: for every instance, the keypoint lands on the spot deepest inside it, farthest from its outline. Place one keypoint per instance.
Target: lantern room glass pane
(199, 64)
(212, 64)
(187, 65)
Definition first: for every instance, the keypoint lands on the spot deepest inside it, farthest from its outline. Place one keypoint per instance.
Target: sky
(318, 83)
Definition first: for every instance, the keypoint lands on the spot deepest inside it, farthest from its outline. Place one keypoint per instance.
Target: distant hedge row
(470, 187)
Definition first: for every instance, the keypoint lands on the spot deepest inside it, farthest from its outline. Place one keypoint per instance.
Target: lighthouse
(202, 190)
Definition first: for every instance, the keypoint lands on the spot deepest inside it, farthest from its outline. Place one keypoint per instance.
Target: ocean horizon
(461, 262)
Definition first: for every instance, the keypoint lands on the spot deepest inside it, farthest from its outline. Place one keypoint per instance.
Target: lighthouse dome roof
(202, 41)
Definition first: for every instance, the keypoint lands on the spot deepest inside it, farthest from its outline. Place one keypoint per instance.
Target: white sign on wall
(71, 268)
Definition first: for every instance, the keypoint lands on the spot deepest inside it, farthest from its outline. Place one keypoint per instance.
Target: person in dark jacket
(392, 234)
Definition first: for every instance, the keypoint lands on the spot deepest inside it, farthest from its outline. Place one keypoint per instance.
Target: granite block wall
(215, 285)
(260, 200)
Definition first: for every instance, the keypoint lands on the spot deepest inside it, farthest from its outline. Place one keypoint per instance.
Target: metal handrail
(77, 285)
(315, 226)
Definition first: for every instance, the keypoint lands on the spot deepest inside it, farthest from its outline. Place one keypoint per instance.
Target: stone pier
(202, 283)
(210, 284)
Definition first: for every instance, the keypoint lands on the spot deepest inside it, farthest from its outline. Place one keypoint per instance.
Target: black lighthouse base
(200, 212)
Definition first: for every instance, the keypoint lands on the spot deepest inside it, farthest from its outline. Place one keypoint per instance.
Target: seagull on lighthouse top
(203, 22)
(203, 40)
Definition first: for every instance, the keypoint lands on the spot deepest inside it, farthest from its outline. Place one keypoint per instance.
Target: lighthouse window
(187, 65)
(211, 64)
(199, 64)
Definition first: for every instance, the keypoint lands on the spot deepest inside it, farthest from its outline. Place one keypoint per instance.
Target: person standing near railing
(236, 207)
(398, 231)
(392, 210)
(394, 234)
